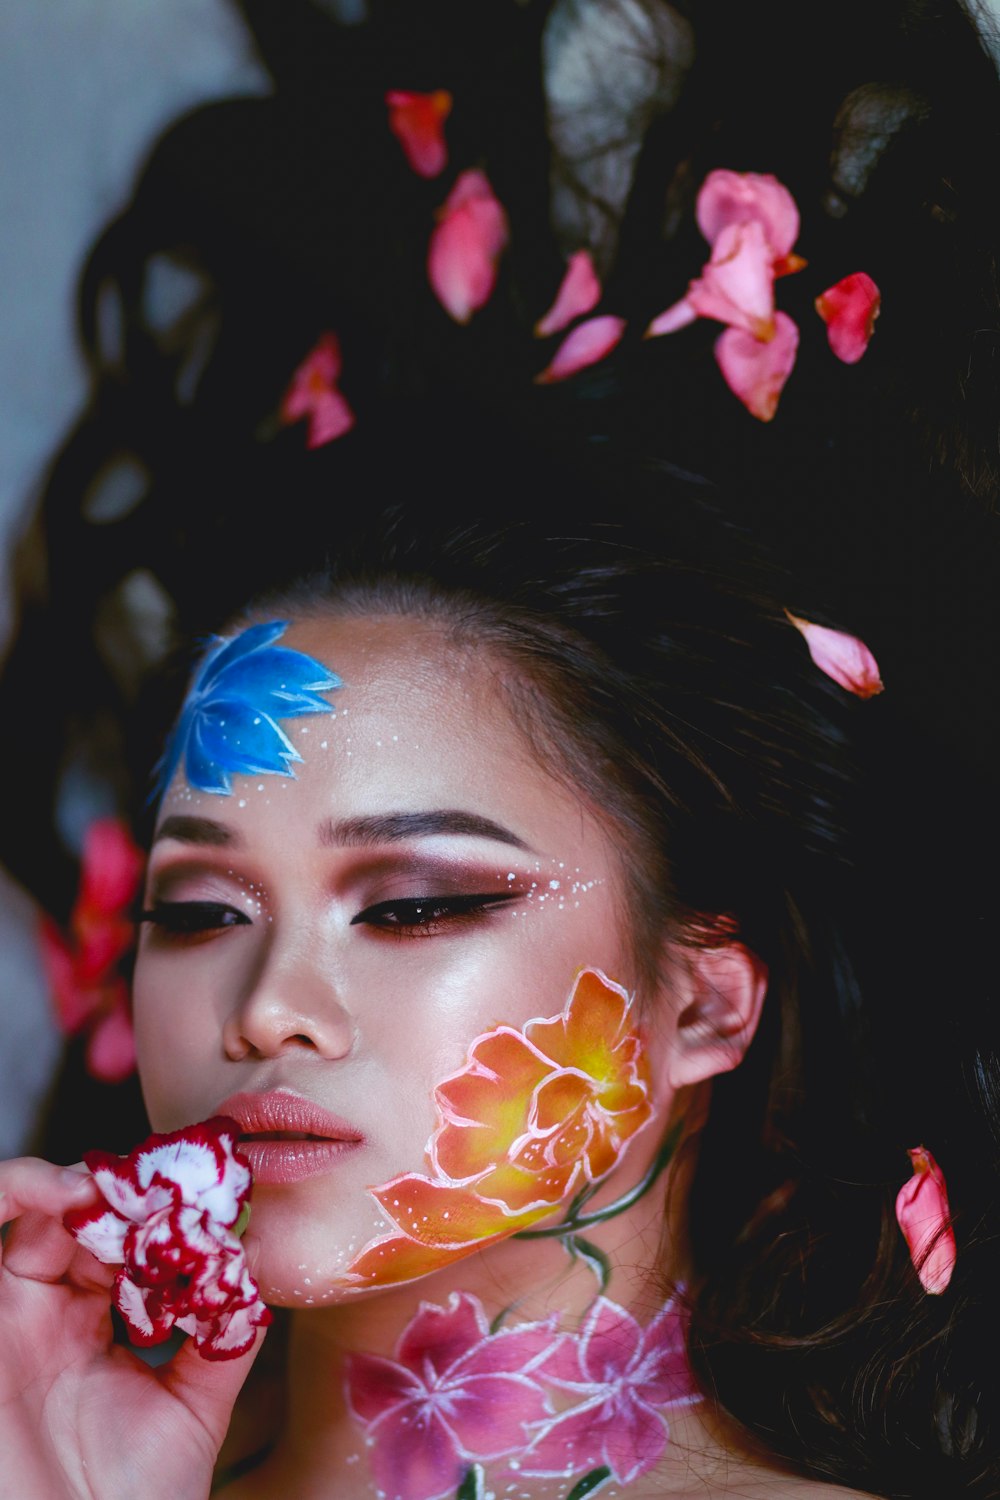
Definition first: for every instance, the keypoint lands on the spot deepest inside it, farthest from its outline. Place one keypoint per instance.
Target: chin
(305, 1247)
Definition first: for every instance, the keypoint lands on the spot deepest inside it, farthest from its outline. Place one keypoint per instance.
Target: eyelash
(414, 916)
(181, 919)
(425, 916)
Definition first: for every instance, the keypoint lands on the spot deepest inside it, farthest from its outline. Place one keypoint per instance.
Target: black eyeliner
(452, 905)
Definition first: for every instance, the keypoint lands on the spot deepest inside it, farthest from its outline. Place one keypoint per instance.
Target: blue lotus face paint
(229, 724)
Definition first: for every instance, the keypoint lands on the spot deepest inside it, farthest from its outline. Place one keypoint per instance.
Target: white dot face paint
(358, 932)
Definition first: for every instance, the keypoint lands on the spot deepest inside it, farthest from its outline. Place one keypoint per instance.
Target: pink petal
(757, 372)
(489, 1414)
(313, 393)
(569, 1443)
(111, 1048)
(677, 316)
(925, 1219)
(318, 372)
(737, 284)
(610, 1341)
(329, 419)
(510, 1351)
(414, 1455)
(662, 1372)
(375, 1385)
(849, 310)
(588, 343)
(439, 1336)
(466, 245)
(634, 1439)
(72, 1001)
(843, 657)
(417, 122)
(578, 294)
(112, 866)
(728, 198)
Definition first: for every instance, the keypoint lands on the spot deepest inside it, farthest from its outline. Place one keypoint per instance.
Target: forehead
(421, 722)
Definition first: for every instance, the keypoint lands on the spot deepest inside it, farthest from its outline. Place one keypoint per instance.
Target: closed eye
(423, 916)
(184, 918)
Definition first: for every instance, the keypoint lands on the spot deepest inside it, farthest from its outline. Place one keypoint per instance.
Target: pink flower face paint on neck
(526, 1401)
(533, 1117)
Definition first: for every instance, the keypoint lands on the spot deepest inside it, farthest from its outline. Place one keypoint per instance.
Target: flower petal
(395, 1259)
(588, 343)
(585, 1035)
(662, 1371)
(234, 1333)
(578, 294)
(112, 866)
(511, 1351)
(73, 1002)
(844, 658)
(489, 1413)
(611, 1339)
(374, 1385)
(101, 1231)
(569, 1443)
(417, 122)
(111, 1049)
(466, 245)
(677, 316)
(414, 1455)
(634, 1438)
(737, 285)
(849, 310)
(440, 1214)
(925, 1218)
(728, 198)
(146, 1325)
(438, 1336)
(331, 417)
(486, 1105)
(757, 372)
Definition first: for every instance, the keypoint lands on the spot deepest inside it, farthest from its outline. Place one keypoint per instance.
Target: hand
(83, 1418)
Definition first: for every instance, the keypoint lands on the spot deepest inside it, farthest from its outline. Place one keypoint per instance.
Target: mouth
(285, 1137)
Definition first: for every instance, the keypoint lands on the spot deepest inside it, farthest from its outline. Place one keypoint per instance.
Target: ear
(721, 994)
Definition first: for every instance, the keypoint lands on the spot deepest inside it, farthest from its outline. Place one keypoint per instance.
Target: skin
(303, 977)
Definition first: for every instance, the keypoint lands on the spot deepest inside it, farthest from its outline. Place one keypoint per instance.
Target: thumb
(209, 1387)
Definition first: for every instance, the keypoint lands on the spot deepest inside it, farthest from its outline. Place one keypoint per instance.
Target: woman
(551, 891)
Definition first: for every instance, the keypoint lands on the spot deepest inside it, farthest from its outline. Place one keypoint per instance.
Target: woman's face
(341, 938)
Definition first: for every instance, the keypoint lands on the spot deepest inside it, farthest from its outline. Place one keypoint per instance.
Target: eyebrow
(393, 828)
(196, 831)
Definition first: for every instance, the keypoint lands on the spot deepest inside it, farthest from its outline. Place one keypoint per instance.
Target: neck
(520, 1365)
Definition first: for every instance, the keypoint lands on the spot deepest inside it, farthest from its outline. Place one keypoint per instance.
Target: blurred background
(146, 339)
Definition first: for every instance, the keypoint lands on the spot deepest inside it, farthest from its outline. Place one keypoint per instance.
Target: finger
(210, 1386)
(29, 1185)
(40, 1248)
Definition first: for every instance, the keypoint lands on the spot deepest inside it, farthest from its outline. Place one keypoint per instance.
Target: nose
(290, 1003)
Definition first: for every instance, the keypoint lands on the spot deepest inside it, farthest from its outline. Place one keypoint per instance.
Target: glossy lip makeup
(286, 1137)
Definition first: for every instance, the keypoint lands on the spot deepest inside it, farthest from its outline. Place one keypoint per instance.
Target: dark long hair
(614, 513)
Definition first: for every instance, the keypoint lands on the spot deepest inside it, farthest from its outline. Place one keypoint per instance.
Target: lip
(275, 1163)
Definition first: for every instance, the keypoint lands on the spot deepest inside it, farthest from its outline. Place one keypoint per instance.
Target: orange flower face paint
(533, 1117)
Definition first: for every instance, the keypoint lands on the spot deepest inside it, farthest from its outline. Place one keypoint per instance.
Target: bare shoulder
(789, 1487)
(765, 1486)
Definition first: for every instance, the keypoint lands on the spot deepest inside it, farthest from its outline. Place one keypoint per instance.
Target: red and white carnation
(167, 1219)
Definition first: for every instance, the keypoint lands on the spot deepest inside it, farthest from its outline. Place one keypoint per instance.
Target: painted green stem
(576, 1221)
